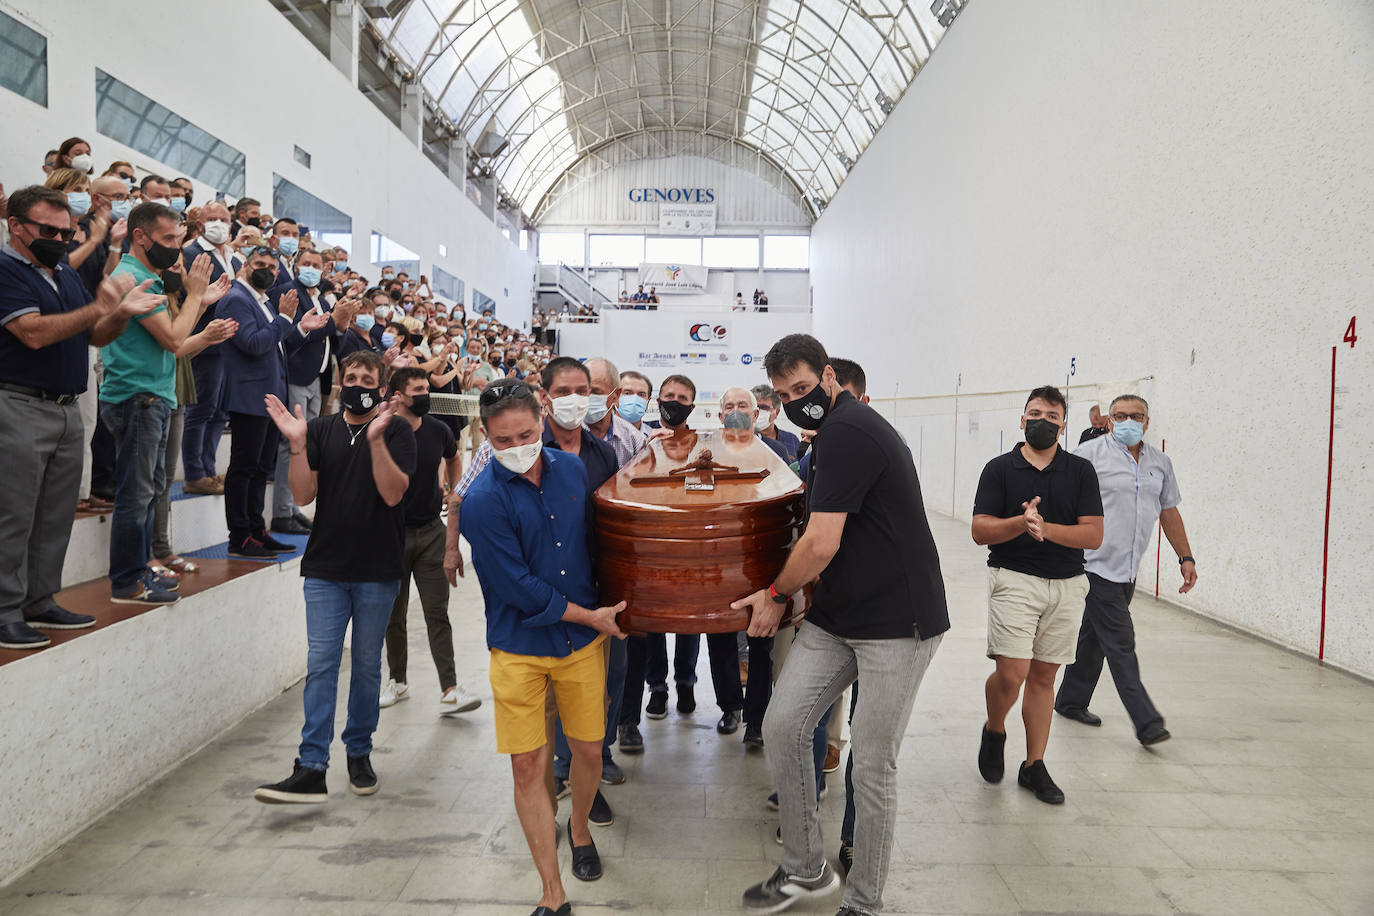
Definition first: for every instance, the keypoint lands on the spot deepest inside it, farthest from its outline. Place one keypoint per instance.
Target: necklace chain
(352, 436)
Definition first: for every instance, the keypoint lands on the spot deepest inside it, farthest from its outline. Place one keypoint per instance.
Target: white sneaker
(458, 700)
(392, 693)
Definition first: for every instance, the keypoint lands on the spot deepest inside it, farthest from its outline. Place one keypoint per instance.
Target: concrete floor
(1263, 802)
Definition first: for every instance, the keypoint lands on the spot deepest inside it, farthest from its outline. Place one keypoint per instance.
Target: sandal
(179, 563)
(163, 571)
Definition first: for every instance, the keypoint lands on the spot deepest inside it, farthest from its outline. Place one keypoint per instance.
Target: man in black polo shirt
(47, 321)
(878, 614)
(1037, 508)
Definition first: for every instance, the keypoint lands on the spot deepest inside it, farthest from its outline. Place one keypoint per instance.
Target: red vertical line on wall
(1159, 533)
(1326, 525)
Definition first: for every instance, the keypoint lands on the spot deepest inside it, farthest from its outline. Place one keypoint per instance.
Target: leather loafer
(1079, 715)
(302, 520)
(586, 863)
(729, 723)
(21, 636)
(1153, 734)
(564, 910)
(59, 618)
(288, 525)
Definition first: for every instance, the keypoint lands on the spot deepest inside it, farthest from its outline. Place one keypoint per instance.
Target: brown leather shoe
(832, 758)
(205, 486)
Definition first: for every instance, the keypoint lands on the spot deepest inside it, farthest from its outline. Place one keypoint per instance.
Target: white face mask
(596, 408)
(570, 410)
(216, 232)
(762, 423)
(518, 458)
(82, 163)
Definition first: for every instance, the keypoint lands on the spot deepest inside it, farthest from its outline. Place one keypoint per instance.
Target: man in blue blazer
(254, 367)
(205, 419)
(304, 367)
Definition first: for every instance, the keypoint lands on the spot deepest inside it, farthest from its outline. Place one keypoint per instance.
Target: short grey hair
(611, 371)
(764, 393)
(1129, 397)
(753, 401)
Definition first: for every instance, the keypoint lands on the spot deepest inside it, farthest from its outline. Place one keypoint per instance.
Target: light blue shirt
(1133, 495)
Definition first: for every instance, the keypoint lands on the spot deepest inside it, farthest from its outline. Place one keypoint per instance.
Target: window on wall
(731, 252)
(481, 302)
(616, 250)
(23, 60)
(386, 252)
(123, 113)
(787, 252)
(672, 250)
(447, 286)
(328, 225)
(561, 246)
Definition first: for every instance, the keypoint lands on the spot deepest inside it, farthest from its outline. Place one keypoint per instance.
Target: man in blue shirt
(528, 519)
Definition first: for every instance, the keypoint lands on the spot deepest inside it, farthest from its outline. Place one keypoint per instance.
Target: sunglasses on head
(499, 391)
(259, 249)
(50, 232)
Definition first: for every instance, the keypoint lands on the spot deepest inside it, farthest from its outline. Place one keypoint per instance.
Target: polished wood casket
(697, 520)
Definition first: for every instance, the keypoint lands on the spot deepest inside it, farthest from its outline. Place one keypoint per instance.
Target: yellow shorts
(519, 684)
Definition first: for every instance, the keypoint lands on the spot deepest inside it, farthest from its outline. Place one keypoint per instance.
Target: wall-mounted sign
(673, 278)
(686, 219)
(709, 334)
(673, 195)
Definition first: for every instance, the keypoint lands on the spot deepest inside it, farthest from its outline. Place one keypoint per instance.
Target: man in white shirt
(1138, 488)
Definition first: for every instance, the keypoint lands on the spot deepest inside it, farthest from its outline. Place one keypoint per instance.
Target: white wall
(361, 162)
(785, 288)
(1176, 190)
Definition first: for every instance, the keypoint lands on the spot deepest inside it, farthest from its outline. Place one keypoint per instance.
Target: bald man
(205, 419)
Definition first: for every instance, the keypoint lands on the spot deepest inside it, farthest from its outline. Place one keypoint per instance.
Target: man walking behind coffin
(528, 519)
(1138, 489)
(1037, 508)
(878, 614)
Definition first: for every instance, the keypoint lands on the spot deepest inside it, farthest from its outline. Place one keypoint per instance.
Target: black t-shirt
(1067, 489)
(356, 537)
(433, 442)
(884, 582)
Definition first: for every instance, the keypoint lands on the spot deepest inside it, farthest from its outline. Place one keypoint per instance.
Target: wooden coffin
(697, 520)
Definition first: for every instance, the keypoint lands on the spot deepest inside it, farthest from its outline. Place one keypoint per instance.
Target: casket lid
(701, 469)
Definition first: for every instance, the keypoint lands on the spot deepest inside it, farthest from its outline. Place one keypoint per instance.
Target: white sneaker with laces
(456, 700)
(392, 693)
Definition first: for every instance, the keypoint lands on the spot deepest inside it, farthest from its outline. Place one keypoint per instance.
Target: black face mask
(162, 257)
(171, 282)
(1041, 434)
(395, 295)
(419, 404)
(416, 339)
(359, 400)
(674, 413)
(262, 278)
(809, 412)
(48, 252)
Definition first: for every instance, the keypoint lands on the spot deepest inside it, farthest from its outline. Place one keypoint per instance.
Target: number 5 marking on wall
(1350, 337)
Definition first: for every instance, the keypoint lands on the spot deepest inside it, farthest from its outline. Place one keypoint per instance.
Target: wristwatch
(777, 596)
(1182, 560)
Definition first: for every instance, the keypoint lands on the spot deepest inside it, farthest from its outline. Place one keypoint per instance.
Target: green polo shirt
(135, 363)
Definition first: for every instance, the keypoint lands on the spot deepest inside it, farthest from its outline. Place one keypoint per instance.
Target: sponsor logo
(725, 357)
(706, 332)
(747, 358)
(693, 358)
(672, 272)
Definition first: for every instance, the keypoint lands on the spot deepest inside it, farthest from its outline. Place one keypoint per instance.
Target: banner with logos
(673, 278)
(686, 219)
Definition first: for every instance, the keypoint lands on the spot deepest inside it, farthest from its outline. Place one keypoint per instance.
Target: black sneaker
(601, 814)
(782, 890)
(303, 787)
(22, 636)
(59, 618)
(250, 548)
(753, 737)
(362, 779)
(273, 544)
(561, 789)
(1036, 778)
(846, 858)
(287, 525)
(686, 699)
(631, 741)
(990, 762)
(729, 722)
(658, 705)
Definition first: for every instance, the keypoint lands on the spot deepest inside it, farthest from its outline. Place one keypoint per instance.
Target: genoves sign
(673, 195)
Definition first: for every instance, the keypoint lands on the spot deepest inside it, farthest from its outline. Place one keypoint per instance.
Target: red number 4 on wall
(1350, 337)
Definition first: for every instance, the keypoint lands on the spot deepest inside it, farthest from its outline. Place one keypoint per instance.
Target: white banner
(673, 278)
(686, 219)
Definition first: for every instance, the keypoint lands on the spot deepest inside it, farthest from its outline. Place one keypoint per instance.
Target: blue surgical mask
(178, 204)
(288, 245)
(340, 266)
(310, 276)
(481, 325)
(388, 339)
(1128, 432)
(80, 202)
(632, 407)
(365, 322)
(119, 209)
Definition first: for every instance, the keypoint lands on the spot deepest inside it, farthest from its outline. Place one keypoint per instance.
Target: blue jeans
(615, 693)
(329, 606)
(139, 427)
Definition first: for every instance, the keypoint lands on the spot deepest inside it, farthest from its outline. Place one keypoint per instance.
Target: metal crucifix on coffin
(700, 475)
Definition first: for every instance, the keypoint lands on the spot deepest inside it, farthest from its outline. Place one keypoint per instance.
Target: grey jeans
(819, 667)
(40, 445)
(308, 397)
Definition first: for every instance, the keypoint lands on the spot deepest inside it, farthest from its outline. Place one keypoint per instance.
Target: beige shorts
(1031, 617)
